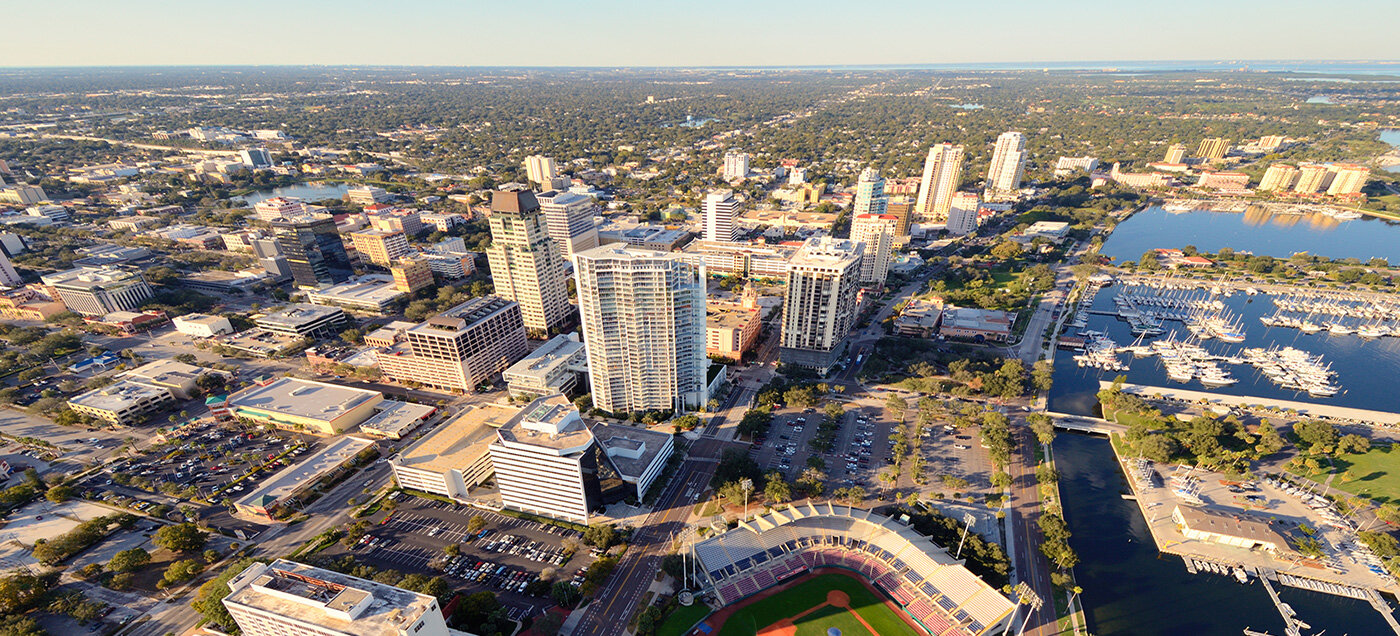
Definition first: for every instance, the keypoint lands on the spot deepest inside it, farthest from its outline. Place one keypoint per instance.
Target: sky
(696, 33)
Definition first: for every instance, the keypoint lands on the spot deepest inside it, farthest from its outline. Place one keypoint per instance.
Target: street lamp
(746, 485)
(968, 519)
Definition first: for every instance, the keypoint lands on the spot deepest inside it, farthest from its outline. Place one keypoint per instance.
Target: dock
(1305, 409)
(1294, 627)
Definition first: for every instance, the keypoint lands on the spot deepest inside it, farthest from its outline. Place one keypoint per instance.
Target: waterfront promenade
(1303, 409)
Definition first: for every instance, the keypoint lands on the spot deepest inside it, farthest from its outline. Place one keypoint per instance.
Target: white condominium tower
(540, 169)
(877, 232)
(1279, 176)
(736, 165)
(870, 193)
(525, 262)
(1008, 164)
(1176, 153)
(1349, 179)
(721, 208)
(821, 302)
(942, 171)
(643, 315)
(569, 217)
(962, 217)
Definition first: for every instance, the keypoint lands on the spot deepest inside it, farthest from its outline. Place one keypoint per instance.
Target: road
(1030, 564)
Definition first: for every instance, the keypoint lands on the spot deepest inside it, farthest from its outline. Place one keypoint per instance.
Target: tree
(896, 405)
(475, 524)
(59, 494)
(1006, 250)
(1042, 375)
(1353, 443)
(179, 572)
(600, 535)
(777, 490)
(129, 560)
(565, 594)
(452, 549)
(1270, 441)
(851, 495)
(1316, 434)
(1043, 427)
(183, 537)
(812, 482)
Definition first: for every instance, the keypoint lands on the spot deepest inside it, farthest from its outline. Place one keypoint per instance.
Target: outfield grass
(811, 593)
(1375, 471)
(681, 620)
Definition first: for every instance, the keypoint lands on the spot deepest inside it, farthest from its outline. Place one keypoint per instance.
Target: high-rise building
(902, 208)
(22, 194)
(1271, 143)
(98, 291)
(459, 348)
(278, 207)
(367, 195)
(942, 171)
(643, 315)
(721, 209)
(870, 193)
(569, 217)
(286, 598)
(256, 158)
(1278, 177)
(821, 302)
(877, 232)
(1176, 153)
(380, 247)
(962, 216)
(736, 165)
(541, 170)
(411, 274)
(525, 262)
(8, 276)
(1213, 148)
(798, 176)
(1313, 178)
(313, 248)
(1008, 164)
(1349, 179)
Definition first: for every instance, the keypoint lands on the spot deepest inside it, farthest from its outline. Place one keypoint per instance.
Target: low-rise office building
(394, 419)
(548, 463)
(372, 293)
(731, 329)
(125, 402)
(98, 291)
(638, 454)
(202, 325)
(553, 367)
(286, 598)
(304, 406)
(304, 320)
(177, 377)
(455, 457)
(976, 324)
(277, 491)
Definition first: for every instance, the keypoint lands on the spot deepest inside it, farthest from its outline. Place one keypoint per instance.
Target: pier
(1305, 409)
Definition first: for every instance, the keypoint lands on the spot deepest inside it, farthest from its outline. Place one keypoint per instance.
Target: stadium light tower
(1026, 596)
(747, 485)
(968, 519)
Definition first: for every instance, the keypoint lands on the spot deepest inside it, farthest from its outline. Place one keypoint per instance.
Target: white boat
(1241, 575)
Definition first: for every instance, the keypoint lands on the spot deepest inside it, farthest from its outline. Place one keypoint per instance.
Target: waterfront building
(98, 291)
(1348, 179)
(541, 170)
(1224, 181)
(1313, 178)
(736, 165)
(1137, 179)
(877, 232)
(721, 210)
(870, 194)
(942, 172)
(459, 348)
(286, 598)
(1176, 153)
(1008, 164)
(569, 218)
(367, 195)
(821, 302)
(1279, 177)
(963, 216)
(1247, 531)
(643, 315)
(525, 262)
(1213, 148)
(278, 207)
(979, 325)
(313, 248)
(380, 247)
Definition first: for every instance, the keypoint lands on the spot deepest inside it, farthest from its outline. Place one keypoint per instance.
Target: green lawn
(748, 620)
(681, 620)
(1375, 474)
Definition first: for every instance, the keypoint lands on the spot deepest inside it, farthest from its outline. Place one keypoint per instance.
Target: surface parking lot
(861, 446)
(211, 457)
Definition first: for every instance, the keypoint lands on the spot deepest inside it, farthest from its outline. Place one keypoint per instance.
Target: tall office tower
(461, 347)
(569, 217)
(1213, 148)
(870, 193)
(736, 165)
(1313, 178)
(821, 302)
(1008, 164)
(721, 208)
(525, 262)
(1348, 178)
(902, 207)
(962, 217)
(411, 274)
(256, 158)
(98, 291)
(286, 598)
(381, 247)
(1279, 176)
(942, 170)
(541, 169)
(1176, 153)
(877, 232)
(8, 276)
(277, 208)
(313, 249)
(643, 315)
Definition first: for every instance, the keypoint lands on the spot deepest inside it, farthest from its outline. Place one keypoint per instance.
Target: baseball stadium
(828, 570)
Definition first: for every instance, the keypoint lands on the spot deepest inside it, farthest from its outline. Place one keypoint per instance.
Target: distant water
(1132, 589)
(304, 191)
(1255, 231)
(1392, 137)
(1320, 99)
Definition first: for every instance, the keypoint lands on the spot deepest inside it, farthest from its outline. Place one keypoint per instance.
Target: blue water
(304, 191)
(1132, 589)
(1259, 232)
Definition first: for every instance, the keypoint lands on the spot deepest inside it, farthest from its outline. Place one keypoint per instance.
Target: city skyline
(83, 33)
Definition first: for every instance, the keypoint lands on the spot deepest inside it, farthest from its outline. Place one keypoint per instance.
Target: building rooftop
(201, 319)
(165, 372)
(552, 423)
(458, 443)
(728, 315)
(980, 319)
(302, 398)
(1234, 524)
(515, 201)
(825, 251)
(463, 316)
(91, 277)
(292, 478)
(328, 599)
(558, 350)
(260, 341)
(395, 418)
(119, 395)
(295, 315)
(631, 449)
(376, 289)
